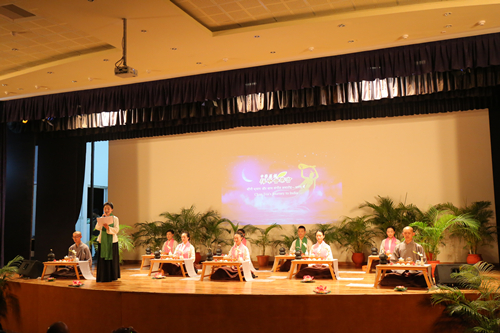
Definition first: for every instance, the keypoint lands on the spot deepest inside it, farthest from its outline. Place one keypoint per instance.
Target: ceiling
(55, 46)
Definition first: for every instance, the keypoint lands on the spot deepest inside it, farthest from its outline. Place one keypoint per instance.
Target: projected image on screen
(288, 189)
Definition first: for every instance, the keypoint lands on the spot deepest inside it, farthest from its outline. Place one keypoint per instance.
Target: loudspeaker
(31, 268)
(443, 272)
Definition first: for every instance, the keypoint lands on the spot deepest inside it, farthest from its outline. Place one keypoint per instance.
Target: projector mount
(121, 68)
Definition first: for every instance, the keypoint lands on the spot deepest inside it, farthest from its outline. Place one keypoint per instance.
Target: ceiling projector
(125, 71)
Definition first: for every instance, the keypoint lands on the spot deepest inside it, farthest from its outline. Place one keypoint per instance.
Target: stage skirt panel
(319, 272)
(108, 270)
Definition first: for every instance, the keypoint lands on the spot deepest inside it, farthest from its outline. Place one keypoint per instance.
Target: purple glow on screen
(288, 189)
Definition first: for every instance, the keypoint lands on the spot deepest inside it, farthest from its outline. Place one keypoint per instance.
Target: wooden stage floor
(174, 304)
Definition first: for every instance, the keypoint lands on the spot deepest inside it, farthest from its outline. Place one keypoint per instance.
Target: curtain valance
(443, 56)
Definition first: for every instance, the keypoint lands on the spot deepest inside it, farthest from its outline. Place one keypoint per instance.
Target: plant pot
(263, 261)
(197, 257)
(358, 259)
(433, 265)
(474, 258)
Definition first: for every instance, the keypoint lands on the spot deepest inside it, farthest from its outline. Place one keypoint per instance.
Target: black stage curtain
(61, 170)
(19, 194)
(3, 167)
(478, 98)
(443, 56)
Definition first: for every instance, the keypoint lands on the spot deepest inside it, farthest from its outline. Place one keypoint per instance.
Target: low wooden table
(382, 269)
(330, 263)
(371, 259)
(277, 260)
(214, 264)
(61, 263)
(146, 257)
(169, 261)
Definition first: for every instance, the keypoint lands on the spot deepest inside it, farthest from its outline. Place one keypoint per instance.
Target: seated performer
(318, 250)
(244, 242)
(183, 250)
(406, 249)
(302, 243)
(170, 245)
(82, 253)
(239, 252)
(389, 244)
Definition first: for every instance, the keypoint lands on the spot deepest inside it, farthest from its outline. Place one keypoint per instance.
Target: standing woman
(108, 258)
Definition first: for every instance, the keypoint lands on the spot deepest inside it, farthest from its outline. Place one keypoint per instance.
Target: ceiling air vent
(13, 12)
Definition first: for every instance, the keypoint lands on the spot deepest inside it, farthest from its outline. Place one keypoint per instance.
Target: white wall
(428, 158)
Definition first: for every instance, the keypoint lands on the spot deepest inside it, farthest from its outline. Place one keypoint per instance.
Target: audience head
(125, 330)
(58, 327)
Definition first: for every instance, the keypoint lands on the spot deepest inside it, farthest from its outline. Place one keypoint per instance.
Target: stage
(271, 303)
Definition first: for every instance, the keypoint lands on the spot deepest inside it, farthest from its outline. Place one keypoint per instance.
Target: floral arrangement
(77, 283)
(51, 279)
(322, 290)
(400, 288)
(158, 276)
(308, 278)
(73, 252)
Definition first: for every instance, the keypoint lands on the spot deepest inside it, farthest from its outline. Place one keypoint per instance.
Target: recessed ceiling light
(273, 52)
(311, 48)
(341, 25)
(174, 49)
(351, 41)
(50, 72)
(20, 89)
(448, 26)
(4, 84)
(256, 36)
(144, 31)
(37, 86)
(14, 49)
(447, 14)
(405, 36)
(105, 59)
(198, 63)
(148, 71)
(74, 81)
(6, 92)
(225, 59)
(482, 22)
(89, 78)
(443, 32)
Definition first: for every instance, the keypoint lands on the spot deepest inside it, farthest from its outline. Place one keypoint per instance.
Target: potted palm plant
(263, 241)
(387, 214)
(355, 234)
(479, 313)
(212, 234)
(431, 232)
(189, 220)
(152, 234)
(481, 212)
(8, 299)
